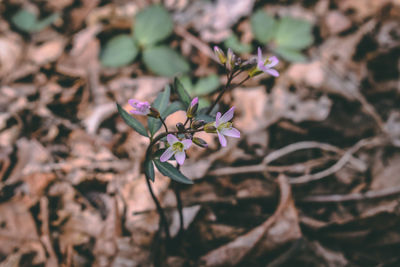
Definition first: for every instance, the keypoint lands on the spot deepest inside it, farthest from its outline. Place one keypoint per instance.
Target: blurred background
(314, 179)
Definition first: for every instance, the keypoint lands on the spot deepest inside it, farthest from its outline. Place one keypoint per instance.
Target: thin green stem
(163, 122)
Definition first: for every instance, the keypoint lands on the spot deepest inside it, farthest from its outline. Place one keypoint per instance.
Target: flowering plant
(172, 144)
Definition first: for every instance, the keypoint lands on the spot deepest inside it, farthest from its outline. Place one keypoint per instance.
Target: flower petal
(222, 139)
(228, 115)
(273, 72)
(180, 157)
(274, 61)
(172, 139)
(167, 154)
(259, 58)
(194, 101)
(217, 119)
(133, 102)
(137, 112)
(233, 132)
(186, 143)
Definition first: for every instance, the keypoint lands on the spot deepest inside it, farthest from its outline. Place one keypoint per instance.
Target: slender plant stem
(160, 210)
(177, 189)
(226, 88)
(163, 218)
(163, 122)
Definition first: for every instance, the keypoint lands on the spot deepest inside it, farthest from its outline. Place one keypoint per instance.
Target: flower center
(226, 125)
(267, 61)
(177, 147)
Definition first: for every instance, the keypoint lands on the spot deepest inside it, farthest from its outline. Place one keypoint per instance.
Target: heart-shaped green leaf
(132, 122)
(152, 25)
(119, 51)
(168, 170)
(290, 54)
(234, 43)
(27, 21)
(165, 61)
(294, 33)
(206, 85)
(263, 26)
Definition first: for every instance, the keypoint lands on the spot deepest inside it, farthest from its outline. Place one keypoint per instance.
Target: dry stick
(347, 156)
(339, 164)
(391, 191)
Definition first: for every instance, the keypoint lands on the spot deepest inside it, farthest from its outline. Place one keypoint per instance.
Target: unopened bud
(180, 127)
(231, 59)
(154, 113)
(191, 112)
(220, 55)
(210, 128)
(197, 124)
(200, 142)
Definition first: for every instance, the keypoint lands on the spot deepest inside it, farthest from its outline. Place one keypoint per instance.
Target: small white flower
(177, 148)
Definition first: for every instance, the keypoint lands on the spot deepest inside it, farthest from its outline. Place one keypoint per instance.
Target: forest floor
(314, 179)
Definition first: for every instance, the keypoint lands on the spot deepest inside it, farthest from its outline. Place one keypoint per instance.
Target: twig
(339, 164)
(387, 192)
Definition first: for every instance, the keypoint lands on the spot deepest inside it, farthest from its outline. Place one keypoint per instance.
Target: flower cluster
(178, 141)
(176, 145)
(254, 66)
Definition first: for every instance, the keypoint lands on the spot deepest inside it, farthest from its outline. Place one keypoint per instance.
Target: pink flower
(224, 127)
(268, 64)
(194, 102)
(177, 148)
(139, 108)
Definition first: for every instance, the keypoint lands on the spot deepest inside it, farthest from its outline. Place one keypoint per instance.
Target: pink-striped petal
(259, 57)
(233, 132)
(273, 72)
(228, 115)
(274, 61)
(180, 157)
(186, 143)
(137, 112)
(217, 119)
(222, 139)
(167, 154)
(172, 139)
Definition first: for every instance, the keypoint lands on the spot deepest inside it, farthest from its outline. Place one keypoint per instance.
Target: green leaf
(263, 26)
(160, 104)
(182, 93)
(206, 85)
(203, 102)
(165, 61)
(149, 169)
(40, 25)
(187, 84)
(24, 20)
(294, 33)
(27, 21)
(234, 43)
(132, 122)
(172, 108)
(119, 51)
(290, 54)
(152, 25)
(168, 170)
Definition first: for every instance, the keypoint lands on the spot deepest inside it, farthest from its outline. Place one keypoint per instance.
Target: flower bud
(200, 142)
(191, 112)
(231, 59)
(180, 127)
(197, 124)
(154, 113)
(210, 128)
(220, 55)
